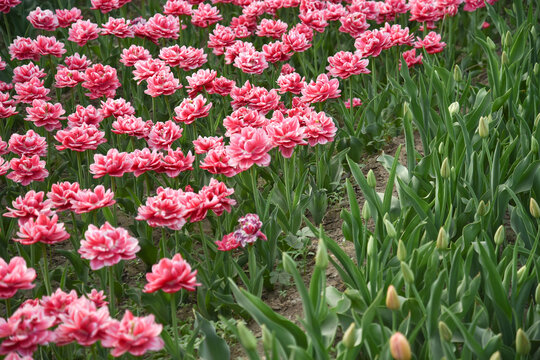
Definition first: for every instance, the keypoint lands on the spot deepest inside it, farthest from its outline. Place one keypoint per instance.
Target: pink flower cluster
(64, 318)
(174, 208)
(249, 231)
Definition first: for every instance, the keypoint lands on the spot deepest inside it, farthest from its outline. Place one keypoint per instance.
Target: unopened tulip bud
(495, 356)
(534, 144)
(349, 337)
(442, 239)
(366, 212)
(441, 148)
(371, 247)
(288, 264)
(399, 347)
(504, 58)
(483, 127)
(445, 332)
(536, 68)
(392, 301)
(491, 44)
(321, 258)
(499, 235)
(445, 169)
(247, 339)
(482, 208)
(507, 39)
(453, 108)
(523, 346)
(371, 179)
(521, 273)
(534, 208)
(457, 74)
(407, 272)
(401, 251)
(537, 118)
(537, 294)
(390, 229)
(267, 337)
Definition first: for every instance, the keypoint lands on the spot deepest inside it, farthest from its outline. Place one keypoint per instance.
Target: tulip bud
(392, 301)
(495, 356)
(537, 119)
(534, 208)
(441, 148)
(445, 332)
(523, 346)
(371, 247)
(267, 337)
(371, 179)
(504, 58)
(534, 144)
(399, 347)
(453, 108)
(499, 235)
(537, 294)
(390, 229)
(407, 272)
(491, 44)
(483, 127)
(521, 273)
(507, 39)
(321, 258)
(457, 74)
(442, 239)
(349, 337)
(247, 339)
(482, 208)
(366, 212)
(445, 169)
(288, 264)
(536, 68)
(401, 251)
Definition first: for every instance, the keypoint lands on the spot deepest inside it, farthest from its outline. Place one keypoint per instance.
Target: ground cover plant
(166, 165)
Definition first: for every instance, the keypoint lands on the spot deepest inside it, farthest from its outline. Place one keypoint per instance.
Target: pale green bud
(445, 332)
(366, 212)
(495, 356)
(523, 346)
(534, 208)
(321, 258)
(499, 235)
(371, 179)
(407, 272)
(445, 169)
(504, 58)
(247, 339)
(483, 127)
(507, 39)
(457, 73)
(390, 229)
(267, 338)
(482, 208)
(371, 247)
(521, 273)
(537, 294)
(401, 251)
(349, 337)
(491, 44)
(536, 68)
(453, 108)
(442, 239)
(537, 120)
(441, 148)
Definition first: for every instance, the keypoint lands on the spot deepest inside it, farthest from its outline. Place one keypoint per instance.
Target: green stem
(8, 307)
(112, 299)
(74, 241)
(46, 279)
(8, 30)
(174, 317)
(113, 188)
(253, 173)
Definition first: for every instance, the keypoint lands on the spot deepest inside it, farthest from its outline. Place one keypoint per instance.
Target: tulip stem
(174, 318)
(111, 289)
(46, 279)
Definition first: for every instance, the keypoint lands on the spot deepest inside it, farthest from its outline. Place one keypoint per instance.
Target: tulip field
(279, 179)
